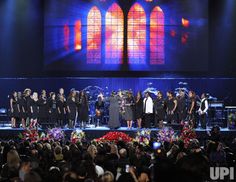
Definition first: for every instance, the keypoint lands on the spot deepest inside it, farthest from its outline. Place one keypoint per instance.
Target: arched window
(78, 45)
(157, 36)
(114, 35)
(94, 36)
(136, 35)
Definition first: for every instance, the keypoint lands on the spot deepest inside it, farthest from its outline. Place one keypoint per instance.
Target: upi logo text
(221, 173)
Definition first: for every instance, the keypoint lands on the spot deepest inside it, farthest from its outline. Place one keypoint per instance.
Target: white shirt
(204, 101)
(149, 105)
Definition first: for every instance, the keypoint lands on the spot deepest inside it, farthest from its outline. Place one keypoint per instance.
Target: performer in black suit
(71, 109)
(139, 109)
(203, 110)
(99, 109)
(181, 107)
(171, 105)
(159, 110)
(148, 110)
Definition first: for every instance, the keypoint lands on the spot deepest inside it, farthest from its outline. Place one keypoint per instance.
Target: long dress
(114, 121)
(139, 109)
(23, 107)
(73, 108)
(53, 111)
(192, 117)
(15, 113)
(61, 107)
(28, 103)
(181, 108)
(170, 106)
(129, 109)
(35, 109)
(43, 110)
(83, 109)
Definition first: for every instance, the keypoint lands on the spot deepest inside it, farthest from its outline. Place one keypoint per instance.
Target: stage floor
(7, 133)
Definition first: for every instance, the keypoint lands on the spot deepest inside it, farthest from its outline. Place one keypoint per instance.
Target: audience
(109, 162)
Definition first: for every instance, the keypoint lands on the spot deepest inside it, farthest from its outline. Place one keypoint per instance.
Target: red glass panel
(114, 35)
(157, 36)
(66, 36)
(94, 36)
(136, 35)
(78, 45)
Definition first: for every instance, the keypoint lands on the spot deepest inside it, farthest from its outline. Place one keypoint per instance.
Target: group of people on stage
(48, 110)
(153, 111)
(54, 109)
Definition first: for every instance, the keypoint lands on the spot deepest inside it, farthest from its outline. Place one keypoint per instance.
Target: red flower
(187, 135)
(115, 137)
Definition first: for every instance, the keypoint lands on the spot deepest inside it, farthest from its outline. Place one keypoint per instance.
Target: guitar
(98, 112)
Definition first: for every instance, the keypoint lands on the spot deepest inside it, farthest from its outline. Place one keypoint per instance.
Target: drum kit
(92, 93)
(182, 86)
(150, 89)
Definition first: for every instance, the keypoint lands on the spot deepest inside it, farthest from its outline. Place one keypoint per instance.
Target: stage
(227, 135)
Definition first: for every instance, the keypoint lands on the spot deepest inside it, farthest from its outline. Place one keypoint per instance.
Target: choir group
(50, 110)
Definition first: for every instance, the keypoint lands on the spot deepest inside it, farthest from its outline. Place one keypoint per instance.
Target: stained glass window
(94, 36)
(157, 36)
(78, 45)
(114, 35)
(136, 35)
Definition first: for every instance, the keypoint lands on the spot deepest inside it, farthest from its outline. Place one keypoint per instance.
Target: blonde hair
(114, 149)
(107, 177)
(35, 95)
(92, 149)
(13, 159)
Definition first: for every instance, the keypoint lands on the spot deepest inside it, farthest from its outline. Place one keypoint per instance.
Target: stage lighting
(185, 23)
(3, 111)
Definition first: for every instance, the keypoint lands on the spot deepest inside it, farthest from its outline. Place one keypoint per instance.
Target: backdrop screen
(126, 35)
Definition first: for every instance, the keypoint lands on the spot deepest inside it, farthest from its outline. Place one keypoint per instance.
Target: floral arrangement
(30, 135)
(166, 134)
(232, 120)
(77, 136)
(43, 137)
(187, 135)
(56, 134)
(143, 137)
(114, 137)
